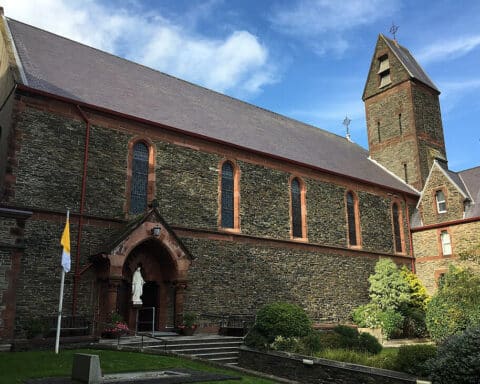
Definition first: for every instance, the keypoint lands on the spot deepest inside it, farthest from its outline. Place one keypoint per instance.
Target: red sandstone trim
(206, 138)
(358, 233)
(151, 170)
(236, 195)
(435, 258)
(303, 208)
(446, 224)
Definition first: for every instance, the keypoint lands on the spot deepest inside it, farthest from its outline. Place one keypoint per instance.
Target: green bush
(392, 323)
(287, 344)
(388, 287)
(414, 324)
(310, 344)
(345, 330)
(456, 305)
(331, 340)
(457, 360)
(367, 316)
(282, 319)
(254, 339)
(412, 359)
(368, 343)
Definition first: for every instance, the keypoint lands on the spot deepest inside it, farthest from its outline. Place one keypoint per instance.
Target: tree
(456, 305)
(419, 297)
(388, 288)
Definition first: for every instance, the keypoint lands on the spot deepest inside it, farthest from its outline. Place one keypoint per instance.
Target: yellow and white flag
(65, 242)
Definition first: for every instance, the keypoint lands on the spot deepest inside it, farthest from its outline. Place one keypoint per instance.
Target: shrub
(392, 323)
(346, 331)
(287, 344)
(310, 344)
(369, 343)
(414, 324)
(367, 316)
(419, 297)
(456, 305)
(282, 319)
(254, 339)
(388, 288)
(412, 359)
(331, 340)
(457, 360)
(35, 327)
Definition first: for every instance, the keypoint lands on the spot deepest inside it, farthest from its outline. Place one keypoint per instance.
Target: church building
(220, 205)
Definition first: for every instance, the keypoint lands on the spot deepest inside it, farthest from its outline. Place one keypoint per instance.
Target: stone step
(194, 351)
(5, 347)
(203, 345)
(226, 360)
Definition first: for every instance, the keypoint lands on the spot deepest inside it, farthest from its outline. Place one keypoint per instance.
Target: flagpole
(60, 304)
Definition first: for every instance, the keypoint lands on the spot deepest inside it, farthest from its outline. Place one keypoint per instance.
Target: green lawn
(18, 366)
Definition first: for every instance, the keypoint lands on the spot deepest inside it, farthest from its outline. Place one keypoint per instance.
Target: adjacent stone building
(223, 205)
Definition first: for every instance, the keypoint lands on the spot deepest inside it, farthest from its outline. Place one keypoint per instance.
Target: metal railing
(125, 333)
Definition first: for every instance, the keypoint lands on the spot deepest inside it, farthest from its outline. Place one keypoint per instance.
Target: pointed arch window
(297, 209)
(139, 181)
(397, 228)
(229, 196)
(353, 220)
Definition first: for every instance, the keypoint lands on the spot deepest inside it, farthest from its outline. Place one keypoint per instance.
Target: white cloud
(324, 24)
(449, 49)
(237, 63)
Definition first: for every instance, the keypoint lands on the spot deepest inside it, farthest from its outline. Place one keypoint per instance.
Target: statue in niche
(137, 286)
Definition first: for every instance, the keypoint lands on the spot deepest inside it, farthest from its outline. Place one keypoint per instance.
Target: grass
(387, 359)
(15, 367)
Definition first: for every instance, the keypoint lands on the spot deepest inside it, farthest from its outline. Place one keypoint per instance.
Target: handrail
(134, 333)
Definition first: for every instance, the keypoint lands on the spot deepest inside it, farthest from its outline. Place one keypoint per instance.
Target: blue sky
(306, 59)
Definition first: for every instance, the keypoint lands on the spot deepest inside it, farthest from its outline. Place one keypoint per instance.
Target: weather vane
(393, 30)
(346, 123)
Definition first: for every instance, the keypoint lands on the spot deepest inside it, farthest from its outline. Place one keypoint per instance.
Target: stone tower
(404, 123)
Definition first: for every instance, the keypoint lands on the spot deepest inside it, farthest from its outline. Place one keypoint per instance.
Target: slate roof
(69, 69)
(409, 62)
(471, 181)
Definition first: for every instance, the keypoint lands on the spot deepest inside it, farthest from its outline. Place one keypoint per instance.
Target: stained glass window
(296, 209)
(396, 228)
(352, 220)
(227, 195)
(138, 197)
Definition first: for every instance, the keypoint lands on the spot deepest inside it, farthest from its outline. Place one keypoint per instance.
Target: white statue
(137, 287)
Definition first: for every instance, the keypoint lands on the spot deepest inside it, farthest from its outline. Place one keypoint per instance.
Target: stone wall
(240, 278)
(12, 224)
(318, 371)
(429, 260)
(453, 197)
(39, 279)
(226, 276)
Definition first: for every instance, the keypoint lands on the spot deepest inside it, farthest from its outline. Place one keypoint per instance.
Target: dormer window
(441, 203)
(384, 71)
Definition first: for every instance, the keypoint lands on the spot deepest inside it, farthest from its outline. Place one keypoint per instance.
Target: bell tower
(404, 124)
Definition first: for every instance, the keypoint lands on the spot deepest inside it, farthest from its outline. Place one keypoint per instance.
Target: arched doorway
(149, 242)
(159, 272)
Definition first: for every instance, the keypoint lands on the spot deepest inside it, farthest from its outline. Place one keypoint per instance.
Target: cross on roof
(393, 30)
(346, 123)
